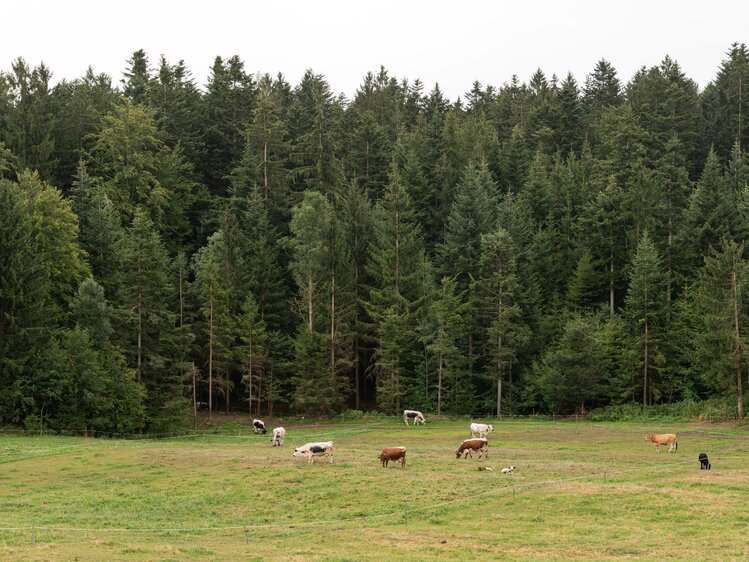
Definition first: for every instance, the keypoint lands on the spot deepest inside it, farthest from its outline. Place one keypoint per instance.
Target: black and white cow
(310, 450)
(259, 426)
(414, 415)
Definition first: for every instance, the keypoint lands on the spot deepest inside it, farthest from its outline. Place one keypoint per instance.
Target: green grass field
(581, 491)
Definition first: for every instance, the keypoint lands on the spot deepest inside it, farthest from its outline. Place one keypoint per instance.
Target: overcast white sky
(453, 43)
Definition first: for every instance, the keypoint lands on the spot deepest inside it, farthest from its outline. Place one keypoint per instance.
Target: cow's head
(297, 452)
(457, 453)
(490, 428)
(649, 437)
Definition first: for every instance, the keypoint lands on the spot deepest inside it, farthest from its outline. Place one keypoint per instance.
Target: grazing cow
(704, 462)
(278, 434)
(414, 415)
(393, 454)
(310, 450)
(468, 446)
(508, 470)
(480, 429)
(259, 426)
(663, 439)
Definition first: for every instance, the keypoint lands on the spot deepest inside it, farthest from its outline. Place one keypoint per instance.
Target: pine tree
(135, 84)
(448, 312)
(396, 252)
(251, 331)
(25, 289)
(602, 90)
(645, 309)
(149, 334)
(573, 373)
(720, 344)
(228, 105)
(355, 214)
(213, 299)
(726, 102)
(28, 125)
(267, 146)
(101, 232)
(497, 292)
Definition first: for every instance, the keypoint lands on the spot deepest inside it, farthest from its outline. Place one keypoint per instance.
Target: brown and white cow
(663, 439)
(468, 446)
(393, 454)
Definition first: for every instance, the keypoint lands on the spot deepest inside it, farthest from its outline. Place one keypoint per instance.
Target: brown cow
(663, 439)
(393, 454)
(469, 445)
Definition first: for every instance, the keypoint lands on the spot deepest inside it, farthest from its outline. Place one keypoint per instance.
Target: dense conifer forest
(255, 246)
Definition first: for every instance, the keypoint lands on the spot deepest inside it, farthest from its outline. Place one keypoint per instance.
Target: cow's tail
(676, 445)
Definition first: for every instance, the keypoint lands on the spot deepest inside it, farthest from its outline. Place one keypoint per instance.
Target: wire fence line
(403, 513)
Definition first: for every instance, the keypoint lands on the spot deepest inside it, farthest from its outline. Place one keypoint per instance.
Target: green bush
(714, 409)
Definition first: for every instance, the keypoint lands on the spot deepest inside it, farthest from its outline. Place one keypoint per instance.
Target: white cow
(414, 415)
(278, 434)
(480, 429)
(310, 450)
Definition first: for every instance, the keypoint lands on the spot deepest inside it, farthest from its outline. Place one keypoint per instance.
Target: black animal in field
(704, 462)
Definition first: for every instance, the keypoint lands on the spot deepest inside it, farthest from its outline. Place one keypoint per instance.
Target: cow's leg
(405, 420)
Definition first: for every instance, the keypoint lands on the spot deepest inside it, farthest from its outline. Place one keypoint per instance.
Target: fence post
(246, 535)
(604, 474)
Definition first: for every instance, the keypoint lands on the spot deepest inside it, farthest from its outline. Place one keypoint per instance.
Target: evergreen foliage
(577, 243)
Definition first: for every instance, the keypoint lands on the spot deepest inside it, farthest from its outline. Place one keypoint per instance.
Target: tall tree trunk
(645, 369)
(611, 283)
(265, 171)
(249, 382)
(499, 397)
(669, 250)
(332, 321)
(738, 343)
(139, 360)
(310, 286)
(210, 360)
(439, 386)
(357, 372)
(194, 397)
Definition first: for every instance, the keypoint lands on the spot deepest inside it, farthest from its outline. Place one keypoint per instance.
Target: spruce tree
(645, 310)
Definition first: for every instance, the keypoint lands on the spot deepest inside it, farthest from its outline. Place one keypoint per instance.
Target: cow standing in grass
(663, 439)
(468, 446)
(480, 429)
(414, 415)
(393, 454)
(278, 436)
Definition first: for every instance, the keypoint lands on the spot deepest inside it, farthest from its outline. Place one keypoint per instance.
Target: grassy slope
(562, 508)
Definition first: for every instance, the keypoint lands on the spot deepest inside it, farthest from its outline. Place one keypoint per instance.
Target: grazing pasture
(579, 491)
